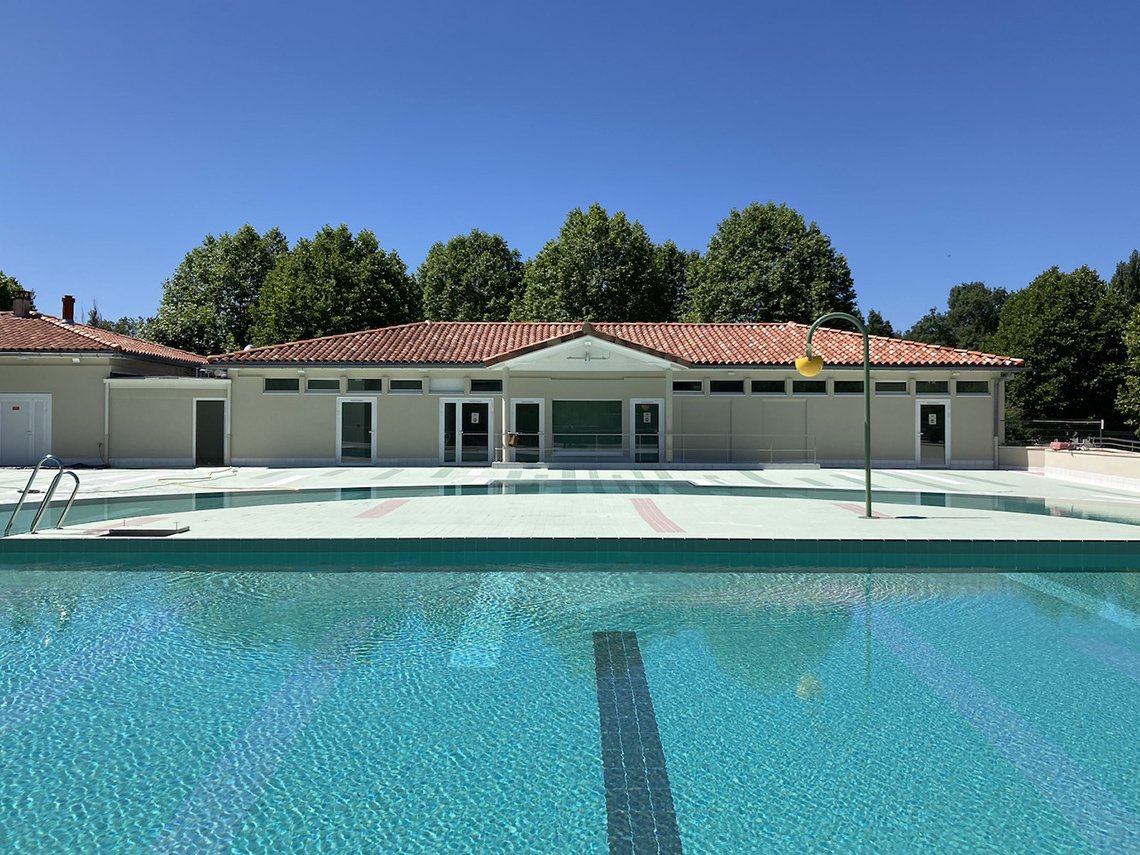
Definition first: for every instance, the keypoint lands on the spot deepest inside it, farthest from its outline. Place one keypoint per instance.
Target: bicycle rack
(47, 496)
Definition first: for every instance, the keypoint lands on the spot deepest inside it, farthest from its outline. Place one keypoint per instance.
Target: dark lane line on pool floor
(639, 801)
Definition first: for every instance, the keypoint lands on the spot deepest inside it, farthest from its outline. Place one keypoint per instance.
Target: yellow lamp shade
(809, 366)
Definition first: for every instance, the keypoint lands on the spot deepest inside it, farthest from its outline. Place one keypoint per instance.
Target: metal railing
(46, 500)
(1113, 443)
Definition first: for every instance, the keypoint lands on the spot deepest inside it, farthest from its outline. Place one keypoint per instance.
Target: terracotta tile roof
(470, 343)
(45, 334)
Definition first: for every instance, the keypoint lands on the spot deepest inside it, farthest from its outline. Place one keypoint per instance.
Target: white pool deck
(582, 515)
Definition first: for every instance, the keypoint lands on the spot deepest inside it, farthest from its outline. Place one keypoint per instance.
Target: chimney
(68, 309)
(21, 304)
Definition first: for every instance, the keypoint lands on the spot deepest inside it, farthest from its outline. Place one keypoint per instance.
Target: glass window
(322, 384)
(486, 385)
(365, 384)
(726, 387)
(688, 387)
(282, 384)
(972, 387)
(442, 385)
(809, 387)
(586, 425)
(405, 385)
(768, 387)
(848, 387)
(890, 387)
(932, 387)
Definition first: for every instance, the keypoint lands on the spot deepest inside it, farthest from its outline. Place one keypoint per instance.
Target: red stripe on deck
(143, 520)
(385, 507)
(858, 509)
(653, 515)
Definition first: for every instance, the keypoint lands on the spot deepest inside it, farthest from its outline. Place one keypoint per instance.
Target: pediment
(589, 353)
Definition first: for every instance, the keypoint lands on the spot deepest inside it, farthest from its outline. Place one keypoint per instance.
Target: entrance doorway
(646, 439)
(25, 429)
(209, 432)
(932, 434)
(526, 439)
(355, 430)
(465, 428)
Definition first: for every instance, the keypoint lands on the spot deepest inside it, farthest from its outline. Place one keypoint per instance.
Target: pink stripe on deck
(653, 515)
(385, 507)
(858, 509)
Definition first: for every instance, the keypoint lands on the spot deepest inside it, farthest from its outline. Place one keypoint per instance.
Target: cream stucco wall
(77, 396)
(152, 421)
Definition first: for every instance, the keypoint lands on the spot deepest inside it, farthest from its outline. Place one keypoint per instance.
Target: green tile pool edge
(648, 553)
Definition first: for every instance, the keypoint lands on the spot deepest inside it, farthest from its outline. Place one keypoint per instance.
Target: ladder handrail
(28, 487)
(70, 500)
(47, 501)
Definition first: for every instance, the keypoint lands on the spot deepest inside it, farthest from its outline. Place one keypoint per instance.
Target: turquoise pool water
(516, 710)
(92, 510)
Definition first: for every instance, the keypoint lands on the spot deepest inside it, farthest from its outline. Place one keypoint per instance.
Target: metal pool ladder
(47, 496)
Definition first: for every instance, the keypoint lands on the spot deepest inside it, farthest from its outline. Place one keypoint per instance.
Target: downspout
(106, 450)
(669, 415)
(229, 421)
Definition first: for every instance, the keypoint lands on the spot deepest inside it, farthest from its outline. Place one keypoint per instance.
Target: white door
(355, 430)
(646, 439)
(466, 430)
(25, 429)
(526, 436)
(932, 433)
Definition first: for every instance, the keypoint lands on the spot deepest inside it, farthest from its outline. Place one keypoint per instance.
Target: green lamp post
(809, 366)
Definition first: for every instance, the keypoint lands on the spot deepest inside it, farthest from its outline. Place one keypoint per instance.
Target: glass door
(356, 433)
(465, 431)
(933, 446)
(647, 437)
(525, 438)
(475, 432)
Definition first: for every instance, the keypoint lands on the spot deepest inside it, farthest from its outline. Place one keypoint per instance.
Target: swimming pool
(514, 709)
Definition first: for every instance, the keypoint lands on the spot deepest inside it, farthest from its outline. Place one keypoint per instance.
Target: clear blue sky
(934, 143)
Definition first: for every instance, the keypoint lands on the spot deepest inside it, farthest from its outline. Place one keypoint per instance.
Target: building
(430, 393)
(54, 383)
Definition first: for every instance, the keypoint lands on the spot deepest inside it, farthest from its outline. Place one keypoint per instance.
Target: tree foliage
(135, 327)
(9, 285)
(1128, 398)
(207, 304)
(472, 277)
(334, 283)
(1126, 280)
(673, 268)
(878, 325)
(1068, 328)
(766, 264)
(971, 319)
(598, 268)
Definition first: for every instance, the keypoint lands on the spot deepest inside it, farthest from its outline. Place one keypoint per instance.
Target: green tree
(878, 325)
(1126, 280)
(766, 264)
(9, 285)
(472, 277)
(673, 268)
(134, 327)
(1069, 330)
(334, 283)
(207, 304)
(971, 319)
(1128, 398)
(599, 268)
